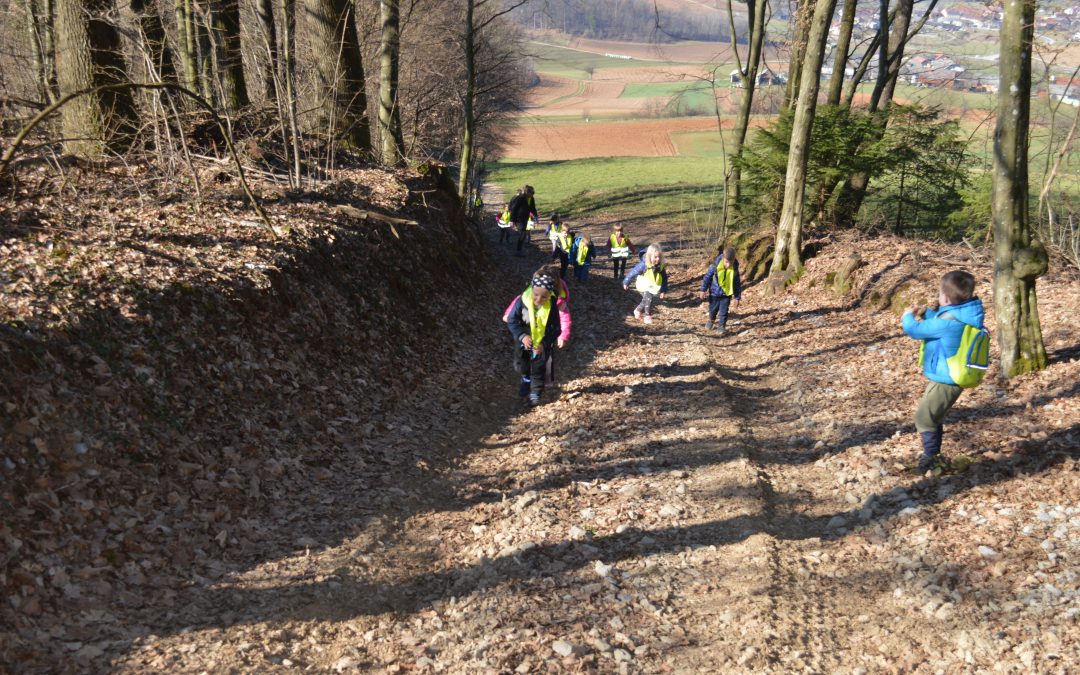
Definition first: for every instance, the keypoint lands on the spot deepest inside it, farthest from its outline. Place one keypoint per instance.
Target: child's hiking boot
(523, 388)
(708, 324)
(647, 318)
(937, 464)
(637, 314)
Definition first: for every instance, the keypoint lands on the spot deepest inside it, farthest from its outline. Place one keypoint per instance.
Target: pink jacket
(563, 305)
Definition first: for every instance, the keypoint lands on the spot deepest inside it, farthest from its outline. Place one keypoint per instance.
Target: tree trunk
(852, 194)
(204, 46)
(89, 55)
(226, 22)
(265, 11)
(798, 52)
(185, 42)
(288, 29)
(843, 44)
(470, 94)
(787, 256)
(37, 53)
(1019, 259)
(339, 68)
(154, 41)
(742, 122)
(393, 145)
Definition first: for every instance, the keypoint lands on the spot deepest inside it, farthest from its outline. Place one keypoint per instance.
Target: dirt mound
(174, 378)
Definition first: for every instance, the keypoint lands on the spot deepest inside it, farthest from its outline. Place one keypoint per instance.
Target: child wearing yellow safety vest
(721, 285)
(564, 245)
(504, 223)
(620, 247)
(534, 323)
(650, 278)
(581, 254)
(555, 226)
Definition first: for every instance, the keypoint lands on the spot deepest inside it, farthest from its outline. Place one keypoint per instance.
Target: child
(721, 286)
(562, 302)
(620, 248)
(523, 215)
(554, 228)
(504, 224)
(652, 278)
(564, 243)
(534, 323)
(940, 329)
(582, 256)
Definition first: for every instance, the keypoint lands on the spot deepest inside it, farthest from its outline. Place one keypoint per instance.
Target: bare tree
(787, 256)
(88, 56)
(1019, 258)
(749, 74)
(342, 99)
(393, 146)
(230, 66)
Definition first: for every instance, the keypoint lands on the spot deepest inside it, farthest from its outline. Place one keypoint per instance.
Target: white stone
(562, 648)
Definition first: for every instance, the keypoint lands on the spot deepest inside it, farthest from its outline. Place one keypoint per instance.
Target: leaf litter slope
(691, 503)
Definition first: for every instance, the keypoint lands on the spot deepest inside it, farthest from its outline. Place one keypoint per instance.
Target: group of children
(951, 332)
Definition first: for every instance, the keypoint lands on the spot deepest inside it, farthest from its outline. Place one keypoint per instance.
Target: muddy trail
(681, 502)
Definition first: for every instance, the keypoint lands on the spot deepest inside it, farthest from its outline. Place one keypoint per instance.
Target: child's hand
(538, 348)
(560, 343)
(703, 294)
(526, 341)
(625, 287)
(662, 296)
(912, 309)
(734, 305)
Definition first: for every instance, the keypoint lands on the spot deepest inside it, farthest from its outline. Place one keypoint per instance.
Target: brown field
(631, 138)
(549, 89)
(685, 52)
(673, 73)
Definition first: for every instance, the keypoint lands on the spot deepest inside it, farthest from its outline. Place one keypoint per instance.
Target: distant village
(1054, 27)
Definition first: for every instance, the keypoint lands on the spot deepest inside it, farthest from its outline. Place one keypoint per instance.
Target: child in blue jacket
(582, 254)
(940, 329)
(722, 286)
(651, 281)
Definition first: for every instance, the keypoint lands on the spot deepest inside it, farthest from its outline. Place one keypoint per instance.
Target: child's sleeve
(927, 329)
(506, 314)
(663, 280)
(634, 272)
(517, 328)
(564, 319)
(708, 275)
(738, 282)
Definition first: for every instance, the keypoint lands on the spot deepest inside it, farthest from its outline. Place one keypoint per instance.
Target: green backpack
(968, 365)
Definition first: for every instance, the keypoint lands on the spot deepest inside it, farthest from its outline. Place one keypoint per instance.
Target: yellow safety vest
(582, 252)
(725, 277)
(620, 248)
(538, 316)
(530, 224)
(504, 219)
(564, 241)
(651, 280)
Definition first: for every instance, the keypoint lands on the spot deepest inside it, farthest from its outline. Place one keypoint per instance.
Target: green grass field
(635, 186)
(577, 65)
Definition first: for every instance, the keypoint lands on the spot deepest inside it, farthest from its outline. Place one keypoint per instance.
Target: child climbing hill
(534, 323)
(723, 288)
(650, 278)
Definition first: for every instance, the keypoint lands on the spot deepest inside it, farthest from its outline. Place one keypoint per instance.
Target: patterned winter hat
(545, 281)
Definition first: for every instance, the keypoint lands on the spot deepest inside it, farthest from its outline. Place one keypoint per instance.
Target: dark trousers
(523, 236)
(564, 262)
(645, 306)
(504, 234)
(718, 309)
(581, 272)
(533, 368)
(620, 267)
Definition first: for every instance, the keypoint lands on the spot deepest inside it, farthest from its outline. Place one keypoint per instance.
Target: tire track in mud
(797, 635)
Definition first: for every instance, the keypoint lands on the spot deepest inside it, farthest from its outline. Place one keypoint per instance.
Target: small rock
(601, 569)
(622, 656)
(562, 648)
(989, 553)
(670, 511)
(576, 533)
(345, 663)
(835, 522)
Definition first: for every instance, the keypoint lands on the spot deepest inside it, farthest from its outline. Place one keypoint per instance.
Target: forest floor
(681, 502)
(687, 502)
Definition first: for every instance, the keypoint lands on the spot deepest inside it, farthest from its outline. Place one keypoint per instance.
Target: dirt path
(684, 502)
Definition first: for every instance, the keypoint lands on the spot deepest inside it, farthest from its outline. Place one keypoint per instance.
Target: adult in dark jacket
(521, 208)
(534, 322)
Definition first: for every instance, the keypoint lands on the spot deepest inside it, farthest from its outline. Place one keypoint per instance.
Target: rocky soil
(682, 502)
